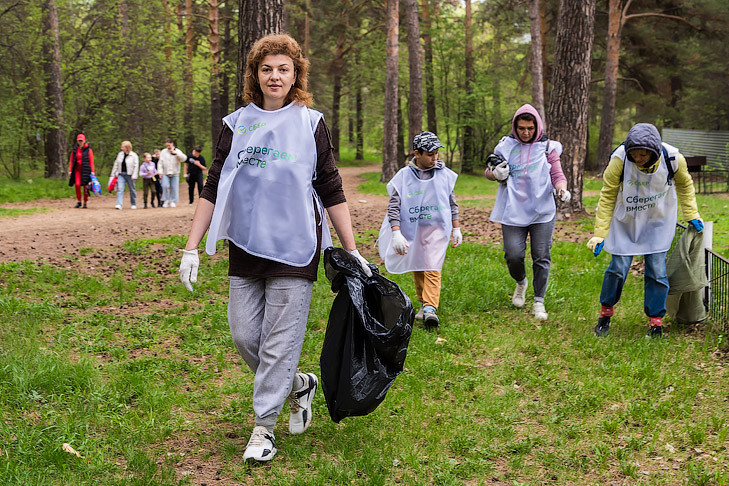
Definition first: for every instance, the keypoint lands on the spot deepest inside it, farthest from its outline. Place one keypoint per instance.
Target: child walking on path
(529, 172)
(148, 171)
(637, 215)
(421, 214)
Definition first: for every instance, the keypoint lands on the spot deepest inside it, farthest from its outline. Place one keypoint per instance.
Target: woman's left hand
(363, 262)
(564, 195)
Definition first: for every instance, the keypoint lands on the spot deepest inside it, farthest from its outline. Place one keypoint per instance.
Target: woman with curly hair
(273, 174)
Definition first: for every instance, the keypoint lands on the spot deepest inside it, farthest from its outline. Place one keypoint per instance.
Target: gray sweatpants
(267, 319)
(540, 235)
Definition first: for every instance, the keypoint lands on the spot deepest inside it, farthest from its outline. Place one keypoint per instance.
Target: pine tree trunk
(189, 137)
(429, 76)
(467, 154)
(607, 121)
(535, 58)
(400, 133)
(55, 140)
(389, 144)
(415, 100)
(569, 100)
(216, 112)
(228, 54)
(307, 29)
(359, 123)
(256, 18)
(336, 101)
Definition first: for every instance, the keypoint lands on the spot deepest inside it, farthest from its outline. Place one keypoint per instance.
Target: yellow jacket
(611, 185)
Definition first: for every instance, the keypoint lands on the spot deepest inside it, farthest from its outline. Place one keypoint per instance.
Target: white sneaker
(519, 296)
(300, 404)
(419, 314)
(166, 204)
(173, 205)
(539, 311)
(261, 446)
(118, 206)
(134, 206)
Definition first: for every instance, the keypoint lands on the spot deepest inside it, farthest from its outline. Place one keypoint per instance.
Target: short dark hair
(197, 148)
(526, 117)
(169, 140)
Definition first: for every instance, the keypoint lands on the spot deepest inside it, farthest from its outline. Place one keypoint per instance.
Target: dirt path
(62, 231)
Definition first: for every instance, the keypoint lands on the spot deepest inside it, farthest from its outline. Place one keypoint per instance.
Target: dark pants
(655, 285)
(193, 181)
(515, 251)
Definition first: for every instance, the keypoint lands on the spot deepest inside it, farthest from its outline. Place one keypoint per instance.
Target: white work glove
(188, 267)
(564, 195)
(457, 237)
(501, 172)
(399, 243)
(362, 261)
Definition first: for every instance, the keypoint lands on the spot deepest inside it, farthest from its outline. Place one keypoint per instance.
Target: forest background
(142, 71)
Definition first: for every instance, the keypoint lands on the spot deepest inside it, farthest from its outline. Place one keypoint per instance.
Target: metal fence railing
(717, 292)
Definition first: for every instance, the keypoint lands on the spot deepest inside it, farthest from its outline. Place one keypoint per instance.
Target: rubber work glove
(595, 244)
(697, 224)
(188, 268)
(457, 237)
(399, 243)
(501, 172)
(362, 261)
(564, 195)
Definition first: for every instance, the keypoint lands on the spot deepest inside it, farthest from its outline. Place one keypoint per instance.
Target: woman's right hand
(188, 268)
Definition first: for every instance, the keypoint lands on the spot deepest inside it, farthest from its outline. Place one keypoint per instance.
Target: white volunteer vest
(425, 221)
(527, 198)
(646, 209)
(265, 203)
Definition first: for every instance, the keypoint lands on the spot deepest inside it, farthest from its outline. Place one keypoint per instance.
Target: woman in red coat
(80, 168)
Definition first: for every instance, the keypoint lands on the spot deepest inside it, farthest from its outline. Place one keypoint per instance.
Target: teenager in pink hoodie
(530, 174)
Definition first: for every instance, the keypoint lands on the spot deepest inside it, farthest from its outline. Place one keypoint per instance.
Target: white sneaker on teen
(261, 446)
(173, 205)
(166, 204)
(519, 296)
(118, 206)
(134, 206)
(300, 404)
(539, 311)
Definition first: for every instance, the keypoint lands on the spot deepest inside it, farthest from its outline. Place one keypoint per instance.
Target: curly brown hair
(275, 44)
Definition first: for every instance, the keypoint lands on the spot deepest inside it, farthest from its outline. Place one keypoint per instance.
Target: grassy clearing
(141, 378)
(32, 188)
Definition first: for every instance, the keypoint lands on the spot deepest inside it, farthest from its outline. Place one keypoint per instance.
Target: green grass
(30, 189)
(14, 213)
(140, 376)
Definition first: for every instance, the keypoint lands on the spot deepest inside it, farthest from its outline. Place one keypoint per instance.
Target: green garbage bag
(686, 268)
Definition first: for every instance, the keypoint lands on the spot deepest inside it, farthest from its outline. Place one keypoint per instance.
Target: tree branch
(656, 14)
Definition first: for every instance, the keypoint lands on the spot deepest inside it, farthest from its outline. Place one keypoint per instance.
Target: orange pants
(427, 286)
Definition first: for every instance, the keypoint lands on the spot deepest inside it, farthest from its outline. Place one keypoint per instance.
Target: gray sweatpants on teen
(267, 319)
(540, 235)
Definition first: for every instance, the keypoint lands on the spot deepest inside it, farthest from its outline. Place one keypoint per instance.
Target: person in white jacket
(126, 170)
(169, 166)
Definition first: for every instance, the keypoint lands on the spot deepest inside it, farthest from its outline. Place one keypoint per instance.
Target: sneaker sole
(431, 322)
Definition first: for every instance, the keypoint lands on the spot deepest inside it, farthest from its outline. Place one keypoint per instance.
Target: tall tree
(55, 143)
(429, 76)
(336, 67)
(415, 99)
(535, 58)
(569, 100)
(216, 109)
(189, 137)
(617, 17)
(359, 121)
(256, 18)
(390, 135)
(467, 154)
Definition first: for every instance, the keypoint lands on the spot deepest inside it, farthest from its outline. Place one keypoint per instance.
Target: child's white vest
(266, 201)
(527, 198)
(644, 219)
(425, 221)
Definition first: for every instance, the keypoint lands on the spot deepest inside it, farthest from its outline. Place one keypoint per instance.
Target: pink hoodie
(555, 169)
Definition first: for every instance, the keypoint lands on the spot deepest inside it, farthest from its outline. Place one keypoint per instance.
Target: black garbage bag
(366, 339)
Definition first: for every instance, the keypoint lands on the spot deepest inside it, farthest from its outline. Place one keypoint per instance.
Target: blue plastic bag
(95, 185)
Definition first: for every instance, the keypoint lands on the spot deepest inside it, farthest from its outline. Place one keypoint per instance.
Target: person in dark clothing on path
(194, 170)
(80, 168)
